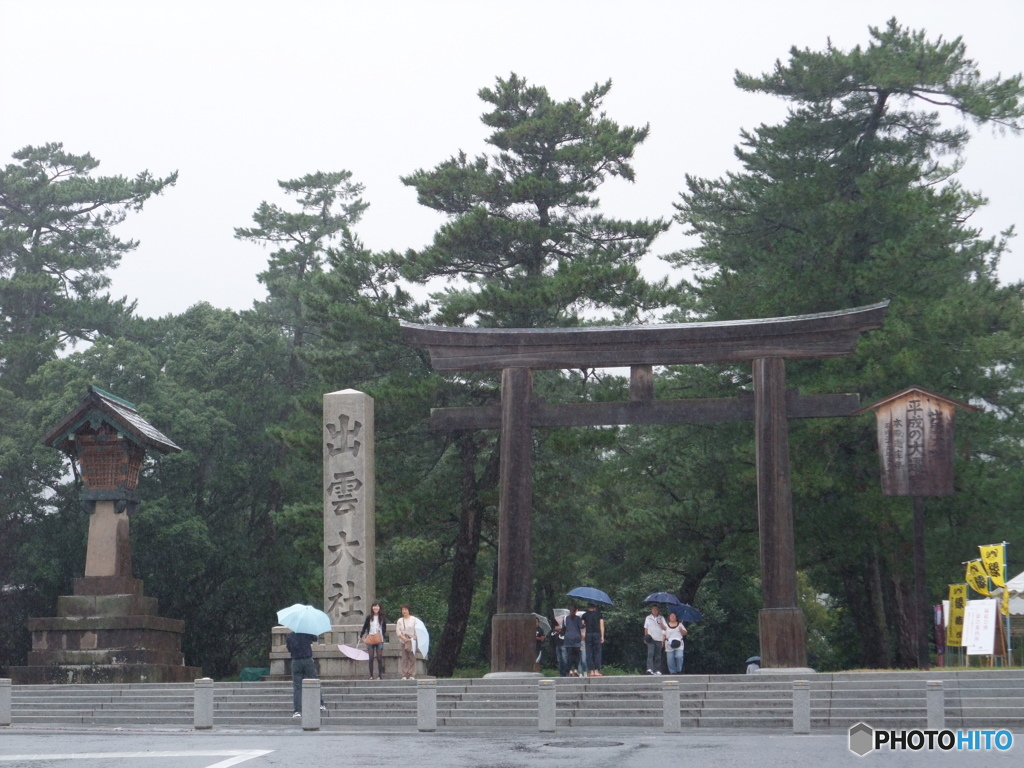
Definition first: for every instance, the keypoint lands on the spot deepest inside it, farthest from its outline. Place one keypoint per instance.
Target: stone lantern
(107, 631)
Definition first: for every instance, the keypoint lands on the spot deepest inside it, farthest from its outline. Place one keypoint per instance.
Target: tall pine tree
(525, 246)
(854, 199)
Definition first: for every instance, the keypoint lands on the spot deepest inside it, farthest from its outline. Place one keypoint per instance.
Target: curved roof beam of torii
(826, 334)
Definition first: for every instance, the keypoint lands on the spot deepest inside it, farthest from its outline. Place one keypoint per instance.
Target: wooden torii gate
(767, 343)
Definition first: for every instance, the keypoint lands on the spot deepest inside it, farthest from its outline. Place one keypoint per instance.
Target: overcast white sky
(236, 95)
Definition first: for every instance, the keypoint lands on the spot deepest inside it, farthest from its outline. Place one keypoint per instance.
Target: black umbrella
(662, 597)
(684, 612)
(591, 595)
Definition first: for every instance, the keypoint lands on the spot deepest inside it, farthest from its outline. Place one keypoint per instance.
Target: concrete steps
(973, 699)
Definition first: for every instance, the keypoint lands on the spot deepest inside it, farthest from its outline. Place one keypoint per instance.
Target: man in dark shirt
(594, 623)
(299, 645)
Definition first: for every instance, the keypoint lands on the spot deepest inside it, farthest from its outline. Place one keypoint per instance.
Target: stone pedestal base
(332, 663)
(107, 632)
(783, 638)
(513, 642)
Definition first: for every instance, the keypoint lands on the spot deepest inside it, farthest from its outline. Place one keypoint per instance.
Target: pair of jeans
(654, 656)
(594, 653)
(572, 654)
(562, 656)
(675, 660)
(302, 669)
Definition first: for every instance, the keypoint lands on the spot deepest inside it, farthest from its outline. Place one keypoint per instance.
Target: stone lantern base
(107, 632)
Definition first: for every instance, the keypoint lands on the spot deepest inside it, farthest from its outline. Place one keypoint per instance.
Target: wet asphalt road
(586, 748)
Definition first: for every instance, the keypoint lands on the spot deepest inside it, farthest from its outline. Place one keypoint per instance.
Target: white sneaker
(657, 673)
(650, 672)
(297, 714)
(323, 708)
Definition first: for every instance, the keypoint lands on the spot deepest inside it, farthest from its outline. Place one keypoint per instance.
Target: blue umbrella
(305, 619)
(591, 595)
(683, 612)
(661, 597)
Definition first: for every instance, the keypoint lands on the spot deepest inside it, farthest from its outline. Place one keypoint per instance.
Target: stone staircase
(973, 698)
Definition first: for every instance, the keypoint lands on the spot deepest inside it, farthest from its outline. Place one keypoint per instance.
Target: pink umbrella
(354, 653)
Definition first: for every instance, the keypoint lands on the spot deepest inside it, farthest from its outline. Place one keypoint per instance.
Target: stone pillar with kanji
(349, 520)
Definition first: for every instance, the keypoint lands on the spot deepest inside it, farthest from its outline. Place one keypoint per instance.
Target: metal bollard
(202, 706)
(935, 696)
(5, 701)
(426, 705)
(670, 704)
(310, 704)
(801, 706)
(546, 705)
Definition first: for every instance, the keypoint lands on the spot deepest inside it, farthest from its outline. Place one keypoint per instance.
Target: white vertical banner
(980, 627)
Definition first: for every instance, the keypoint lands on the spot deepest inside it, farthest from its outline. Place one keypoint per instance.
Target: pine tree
(851, 200)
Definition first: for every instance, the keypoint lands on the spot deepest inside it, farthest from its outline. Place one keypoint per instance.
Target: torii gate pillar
(781, 621)
(512, 637)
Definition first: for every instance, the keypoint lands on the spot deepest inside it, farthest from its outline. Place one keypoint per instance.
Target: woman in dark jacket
(375, 624)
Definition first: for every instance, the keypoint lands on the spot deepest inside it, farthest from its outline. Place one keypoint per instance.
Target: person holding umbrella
(593, 622)
(654, 636)
(374, 635)
(407, 634)
(306, 624)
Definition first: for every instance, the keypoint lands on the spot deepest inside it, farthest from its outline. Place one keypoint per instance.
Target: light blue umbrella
(305, 619)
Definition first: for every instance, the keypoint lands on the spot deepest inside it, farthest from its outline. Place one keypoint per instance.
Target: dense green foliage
(852, 199)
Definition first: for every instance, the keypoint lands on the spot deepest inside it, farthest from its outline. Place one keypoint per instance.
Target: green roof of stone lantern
(100, 406)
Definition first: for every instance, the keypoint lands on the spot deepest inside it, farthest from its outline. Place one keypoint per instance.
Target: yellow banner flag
(992, 559)
(1004, 607)
(977, 577)
(955, 620)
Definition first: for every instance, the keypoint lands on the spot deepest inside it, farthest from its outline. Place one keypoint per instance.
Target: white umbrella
(422, 638)
(354, 653)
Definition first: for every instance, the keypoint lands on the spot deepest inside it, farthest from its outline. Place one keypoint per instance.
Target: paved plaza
(593, 748)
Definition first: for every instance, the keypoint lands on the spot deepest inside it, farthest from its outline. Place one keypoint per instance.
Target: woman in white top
(674, 634)
(407, 634)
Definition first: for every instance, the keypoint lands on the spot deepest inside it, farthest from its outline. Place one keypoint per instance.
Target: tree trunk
(904, 609)
(880, 632)
(687, 591)
(460, 597)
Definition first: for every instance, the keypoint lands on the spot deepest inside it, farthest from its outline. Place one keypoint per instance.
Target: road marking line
(235, 756)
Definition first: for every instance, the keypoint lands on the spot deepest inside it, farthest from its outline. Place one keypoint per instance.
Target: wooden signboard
(915, 442)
